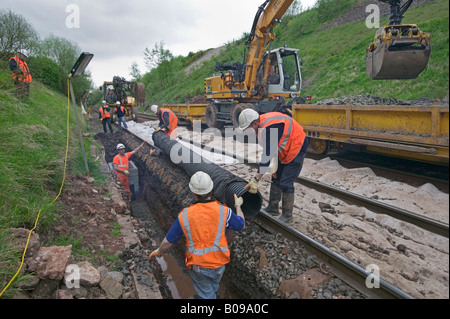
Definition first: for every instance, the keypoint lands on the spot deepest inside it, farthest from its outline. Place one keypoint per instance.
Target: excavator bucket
(398, 52)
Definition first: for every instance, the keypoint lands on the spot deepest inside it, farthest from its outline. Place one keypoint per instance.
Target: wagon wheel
(318, 146)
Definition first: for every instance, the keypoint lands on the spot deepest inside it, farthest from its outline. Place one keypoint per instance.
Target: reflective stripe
(283, 143)
(191, 249)
(171, 118)
(122, 165)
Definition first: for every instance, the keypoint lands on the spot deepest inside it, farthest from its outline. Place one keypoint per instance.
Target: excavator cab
(284, 76)
(399, 51)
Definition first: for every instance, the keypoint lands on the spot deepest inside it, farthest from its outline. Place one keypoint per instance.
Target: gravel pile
(267, 262)
(367, 99)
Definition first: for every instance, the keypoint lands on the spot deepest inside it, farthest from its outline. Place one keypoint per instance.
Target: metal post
(78, 125)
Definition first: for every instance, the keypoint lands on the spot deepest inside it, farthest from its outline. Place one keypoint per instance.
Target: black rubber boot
(274, 200)
(287, 207)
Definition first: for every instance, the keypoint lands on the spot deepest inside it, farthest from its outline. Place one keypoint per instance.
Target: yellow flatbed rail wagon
(188, 112)
(412, 132)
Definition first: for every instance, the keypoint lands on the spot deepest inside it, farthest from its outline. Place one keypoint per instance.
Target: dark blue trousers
(288, 173)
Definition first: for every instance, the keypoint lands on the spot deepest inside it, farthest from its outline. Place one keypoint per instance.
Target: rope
(60, 190)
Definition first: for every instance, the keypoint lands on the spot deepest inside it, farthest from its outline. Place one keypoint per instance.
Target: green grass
(33, 143)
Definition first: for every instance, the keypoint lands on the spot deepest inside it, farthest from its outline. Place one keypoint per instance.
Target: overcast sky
(118, 31)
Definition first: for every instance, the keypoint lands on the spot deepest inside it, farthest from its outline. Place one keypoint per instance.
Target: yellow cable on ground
(60, 190)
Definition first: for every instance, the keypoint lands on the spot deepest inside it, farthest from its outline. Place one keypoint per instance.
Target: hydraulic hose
(226, 184)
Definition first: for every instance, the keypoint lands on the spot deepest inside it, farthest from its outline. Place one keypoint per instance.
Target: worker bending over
(121, 165)
(168, 121)
(204, 224)
(279, 135)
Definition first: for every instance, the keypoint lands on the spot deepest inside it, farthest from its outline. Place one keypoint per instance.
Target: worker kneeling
(279, 135)
(168, 121)
(204, 224)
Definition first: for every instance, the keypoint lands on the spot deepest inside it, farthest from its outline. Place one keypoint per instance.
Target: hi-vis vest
(122, 162)
(204, 226)
(293, 135)
(173, 120)
(104, 113)
(22, 73)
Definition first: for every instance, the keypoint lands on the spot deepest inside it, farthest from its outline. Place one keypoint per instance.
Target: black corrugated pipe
(226, 184)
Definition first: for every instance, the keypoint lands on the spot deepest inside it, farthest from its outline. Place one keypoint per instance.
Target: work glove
(154, 254)
(144, 143)
(238, 201)
(126, 172)
(153, 152)
(252, 186)
(157, 130)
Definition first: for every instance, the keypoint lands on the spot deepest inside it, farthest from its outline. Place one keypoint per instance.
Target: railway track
(345, 269)
(342, 267)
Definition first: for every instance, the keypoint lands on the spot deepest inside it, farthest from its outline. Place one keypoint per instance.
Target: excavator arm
(268, 15)
(399, 51)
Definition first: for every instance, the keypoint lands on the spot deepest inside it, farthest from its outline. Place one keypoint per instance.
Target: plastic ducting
(226, 184)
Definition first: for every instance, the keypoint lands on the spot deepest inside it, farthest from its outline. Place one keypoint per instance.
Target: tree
(60, 50)
(295, 8)
(16, 34)
(160, 60)
(134, 71)
(156, 56)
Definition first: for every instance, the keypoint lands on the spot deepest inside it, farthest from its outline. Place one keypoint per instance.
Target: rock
(103, 271)
(117, 276)
(28, 283)
(89, 276)
(51, 262)
(112, 288)
(45, 289)
(262, 257)
(303, 284)
(119, 205)
(19, 238)
(63, 294)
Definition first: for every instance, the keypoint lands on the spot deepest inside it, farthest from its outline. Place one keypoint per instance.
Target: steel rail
(348, 271)
(378, 207)
(429, 224)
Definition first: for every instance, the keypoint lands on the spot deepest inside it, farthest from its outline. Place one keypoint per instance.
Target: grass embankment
(333, 60)
(33, 142)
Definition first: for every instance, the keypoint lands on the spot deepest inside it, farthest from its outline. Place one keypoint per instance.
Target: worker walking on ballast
(168, 121)
(204, 225)
(283, 137)
(121, 165)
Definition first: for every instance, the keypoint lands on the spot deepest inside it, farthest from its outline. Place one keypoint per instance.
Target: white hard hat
(103, 102)
(154, 108)
(246, 118)
(118, 103)
(201, 183)
(120, 146)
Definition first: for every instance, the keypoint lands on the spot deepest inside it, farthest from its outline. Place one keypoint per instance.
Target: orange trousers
(124, 181)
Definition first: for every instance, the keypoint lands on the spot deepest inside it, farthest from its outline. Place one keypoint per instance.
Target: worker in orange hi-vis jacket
(21, 74)
(121, 165)
(168, 121)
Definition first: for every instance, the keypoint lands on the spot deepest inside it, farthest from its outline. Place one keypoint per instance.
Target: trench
(162, 193)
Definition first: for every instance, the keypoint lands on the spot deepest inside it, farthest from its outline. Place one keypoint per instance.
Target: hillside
(33, 142)
(333, 56)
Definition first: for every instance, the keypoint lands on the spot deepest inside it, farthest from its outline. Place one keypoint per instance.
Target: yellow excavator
(399, 51)
(263, 82)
